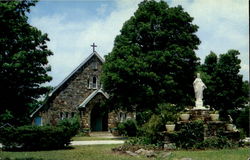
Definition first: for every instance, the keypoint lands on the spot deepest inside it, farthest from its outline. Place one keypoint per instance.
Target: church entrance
(99, 119)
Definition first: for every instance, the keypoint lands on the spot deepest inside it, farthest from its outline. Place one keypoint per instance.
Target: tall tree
(153, 59)
(23, 61)
(225, 87)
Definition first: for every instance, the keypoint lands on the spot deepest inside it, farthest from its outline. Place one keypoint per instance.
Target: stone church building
(80, 93)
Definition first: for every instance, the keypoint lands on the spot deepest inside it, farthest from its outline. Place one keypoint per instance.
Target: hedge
(38, 137)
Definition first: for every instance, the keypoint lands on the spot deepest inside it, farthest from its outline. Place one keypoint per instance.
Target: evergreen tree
(153, 59)
(23, 61)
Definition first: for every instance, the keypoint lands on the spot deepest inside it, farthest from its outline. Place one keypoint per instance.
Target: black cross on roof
(93, 45)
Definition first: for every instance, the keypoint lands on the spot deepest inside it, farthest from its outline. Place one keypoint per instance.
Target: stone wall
(72, 93)
(65, 100)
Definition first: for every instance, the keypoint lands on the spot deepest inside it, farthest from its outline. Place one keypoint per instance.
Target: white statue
(199, 86)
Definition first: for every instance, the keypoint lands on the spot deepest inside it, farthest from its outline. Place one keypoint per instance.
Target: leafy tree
(208, 70)
(153, 59)
(23, 61)
(225, 87)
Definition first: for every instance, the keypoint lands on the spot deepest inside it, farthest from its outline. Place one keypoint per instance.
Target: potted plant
(230, 127)
(170, 126)
(214, 115)
(184, 116)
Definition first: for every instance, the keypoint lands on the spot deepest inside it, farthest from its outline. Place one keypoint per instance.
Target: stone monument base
(199, 105)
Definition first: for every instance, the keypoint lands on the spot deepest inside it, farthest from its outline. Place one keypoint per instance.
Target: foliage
(152, 130)
(23, 61)
(218, 142)
(189, 134)
(127, 128)
(71, 125)
(5, 117)
(141, 140)
(225, 87)
(38, 137)
(168, 112)
(242, 120)
(153, 59)
(143, 117)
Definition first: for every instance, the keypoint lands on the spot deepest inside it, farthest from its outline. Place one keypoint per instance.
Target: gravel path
(78, 143)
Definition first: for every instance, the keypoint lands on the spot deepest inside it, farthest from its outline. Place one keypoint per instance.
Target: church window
(94, 65)
(38, 121)
(94, 84)
(90, 83)
(122, 116)
(66, 115)
(72, 114)
(61, 115)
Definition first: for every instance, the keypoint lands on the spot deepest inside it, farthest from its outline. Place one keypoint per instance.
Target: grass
(94, 152)
(225, 154)
(103, 152)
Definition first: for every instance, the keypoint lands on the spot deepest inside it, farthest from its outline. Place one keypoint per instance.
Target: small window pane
(94, 85)
(38, 121)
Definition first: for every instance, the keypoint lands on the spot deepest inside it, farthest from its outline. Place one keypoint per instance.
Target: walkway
(78, 143)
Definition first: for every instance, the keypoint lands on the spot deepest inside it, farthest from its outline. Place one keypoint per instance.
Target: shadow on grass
(18, 149)
(22, 159)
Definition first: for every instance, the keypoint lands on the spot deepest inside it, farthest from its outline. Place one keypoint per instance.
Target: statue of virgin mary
(199, 86)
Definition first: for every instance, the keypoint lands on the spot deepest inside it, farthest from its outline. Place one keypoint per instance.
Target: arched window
(94, 65)
(89, 83)
(94, 84)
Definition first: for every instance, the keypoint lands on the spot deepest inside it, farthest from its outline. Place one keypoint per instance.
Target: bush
(218, 142)
(152, 131)
(127, 128)
(143, 117)
(38, 137)
(189, 134)
(242, 120)
(168, 112)
(71, 126)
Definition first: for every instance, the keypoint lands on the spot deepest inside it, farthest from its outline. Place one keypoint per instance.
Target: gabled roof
(67, 78)
(91, 96)
(6, 125)
(80, 66)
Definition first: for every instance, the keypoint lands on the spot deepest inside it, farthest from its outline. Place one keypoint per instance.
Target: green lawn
(103, 152)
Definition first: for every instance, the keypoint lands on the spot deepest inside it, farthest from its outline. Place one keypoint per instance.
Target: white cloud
(102, 9)
(223, 25)
(70, 41)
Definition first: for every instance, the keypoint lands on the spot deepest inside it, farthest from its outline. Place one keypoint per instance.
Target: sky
(73, 25)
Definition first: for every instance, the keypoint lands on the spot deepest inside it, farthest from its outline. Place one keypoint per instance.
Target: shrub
(168, 112)
(189, 134)
(71, 126)
(218, 142)
(38, 137)
(143, 117)
(127, 128)
(242, 120)
(152, 130)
